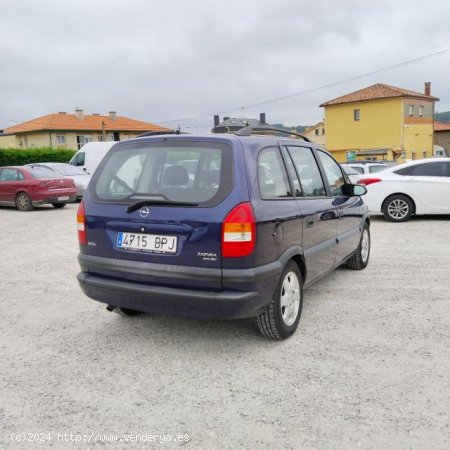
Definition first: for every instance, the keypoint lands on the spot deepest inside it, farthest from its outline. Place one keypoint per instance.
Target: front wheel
(280, 319)
(360, 257)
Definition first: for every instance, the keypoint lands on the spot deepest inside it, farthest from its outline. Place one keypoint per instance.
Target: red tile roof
(377, 91)
(441, 126)
(70, 122)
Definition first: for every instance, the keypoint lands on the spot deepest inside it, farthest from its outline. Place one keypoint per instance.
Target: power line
(308, 91)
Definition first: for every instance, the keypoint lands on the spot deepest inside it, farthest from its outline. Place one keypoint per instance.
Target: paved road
(368, 368)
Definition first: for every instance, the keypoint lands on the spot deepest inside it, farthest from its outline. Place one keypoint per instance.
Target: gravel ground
(368, 367)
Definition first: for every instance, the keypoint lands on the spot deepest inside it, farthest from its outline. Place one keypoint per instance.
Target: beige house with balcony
(71, 131)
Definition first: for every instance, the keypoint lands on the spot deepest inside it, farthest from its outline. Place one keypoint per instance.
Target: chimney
(427, 88)
(79, 113)
(216, 120)
(62, 112)
(262, 118)
(112, 114)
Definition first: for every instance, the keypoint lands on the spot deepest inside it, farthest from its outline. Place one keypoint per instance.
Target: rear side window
(404, 171)
(358, 169)
(272, 178)
(433, 169)
(9, 175)
(198, 173)
(377, 168)
(308, 171)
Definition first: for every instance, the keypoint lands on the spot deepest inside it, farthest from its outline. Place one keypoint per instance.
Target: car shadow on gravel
(146, 327)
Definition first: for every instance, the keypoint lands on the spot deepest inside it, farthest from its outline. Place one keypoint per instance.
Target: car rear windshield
(197, 173)
(42, 172)
(68, 169)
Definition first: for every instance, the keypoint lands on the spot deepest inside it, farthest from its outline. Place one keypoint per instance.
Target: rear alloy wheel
(280, 320)
(23, 202)
(59, 205)
(360, 258)
(397, 208)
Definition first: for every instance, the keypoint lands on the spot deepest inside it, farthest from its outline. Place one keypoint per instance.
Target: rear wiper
(156, 201)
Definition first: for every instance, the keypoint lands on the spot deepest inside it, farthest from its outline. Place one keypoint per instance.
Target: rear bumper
(246, 292)
(44, 199)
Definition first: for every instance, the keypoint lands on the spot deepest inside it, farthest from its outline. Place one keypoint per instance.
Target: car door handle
(309, 223)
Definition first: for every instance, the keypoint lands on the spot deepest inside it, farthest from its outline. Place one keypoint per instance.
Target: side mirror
(359, 189)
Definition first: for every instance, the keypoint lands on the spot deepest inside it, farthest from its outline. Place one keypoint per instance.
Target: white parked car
(353, 175)
(364, 167)
(417, 187)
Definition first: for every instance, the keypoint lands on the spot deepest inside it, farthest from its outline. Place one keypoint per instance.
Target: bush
(19, 156)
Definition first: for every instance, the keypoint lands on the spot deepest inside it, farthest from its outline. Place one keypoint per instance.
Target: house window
(60, 139)
(420, 111)
(410, 110)
(316, 132)
(100, 138)
(424, 154)
(356, 114)
(81, 140)
(323, 131)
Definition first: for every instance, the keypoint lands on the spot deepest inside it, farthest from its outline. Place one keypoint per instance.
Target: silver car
(79, 176)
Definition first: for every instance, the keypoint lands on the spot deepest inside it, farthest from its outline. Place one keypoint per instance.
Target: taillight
(239, 232)
(81, 225)
(367, 181)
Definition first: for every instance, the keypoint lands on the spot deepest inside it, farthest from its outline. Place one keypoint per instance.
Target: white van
(90, 155)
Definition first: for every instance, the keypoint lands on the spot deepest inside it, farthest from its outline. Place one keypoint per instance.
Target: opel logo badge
(144, 211)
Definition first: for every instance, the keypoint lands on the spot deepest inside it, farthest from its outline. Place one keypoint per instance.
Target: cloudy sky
(167, 61)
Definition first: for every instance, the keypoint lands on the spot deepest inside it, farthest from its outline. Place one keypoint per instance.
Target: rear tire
(397, 208)
(280, 320)
(23, 202)
(59, 205)
(360, 257)
(126, 312)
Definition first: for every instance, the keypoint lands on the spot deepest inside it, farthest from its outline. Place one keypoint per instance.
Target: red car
(26, 187)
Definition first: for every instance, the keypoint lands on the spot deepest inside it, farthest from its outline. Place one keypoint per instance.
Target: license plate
(62, 199)
(147, 242)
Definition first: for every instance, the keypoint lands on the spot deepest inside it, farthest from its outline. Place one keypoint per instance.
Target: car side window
(358, 169)
(333, 173)
(404, 171)
(433, 169)
(308, 171)
(9, 175)
(272, 177)
(376, 168)
(80, 159)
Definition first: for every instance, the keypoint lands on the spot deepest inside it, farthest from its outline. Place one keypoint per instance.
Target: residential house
(381, 122)
(316, 133)
(442, 136)
(71, 131)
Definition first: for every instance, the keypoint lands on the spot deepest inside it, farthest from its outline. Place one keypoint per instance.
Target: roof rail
(156, 133)
(248, 131)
